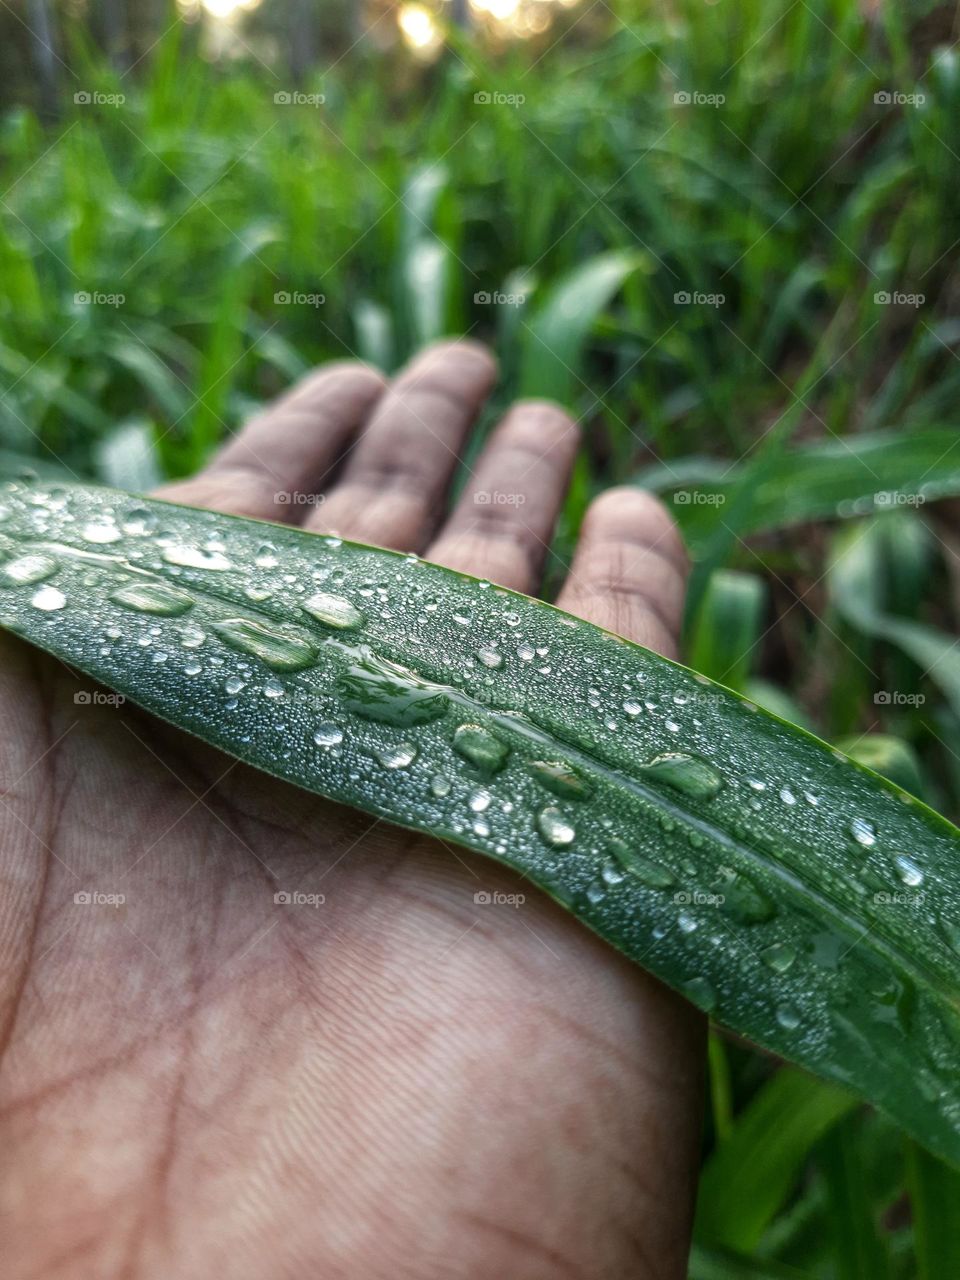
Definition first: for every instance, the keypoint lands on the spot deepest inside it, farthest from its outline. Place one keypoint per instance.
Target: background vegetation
(732, 230)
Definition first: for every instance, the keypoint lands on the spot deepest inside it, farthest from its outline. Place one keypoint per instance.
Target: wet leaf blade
(798, 897)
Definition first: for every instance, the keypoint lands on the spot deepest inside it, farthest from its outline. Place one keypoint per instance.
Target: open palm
(379, 1078)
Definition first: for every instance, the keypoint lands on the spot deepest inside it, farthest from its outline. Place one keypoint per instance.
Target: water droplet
(440, 786)
(489, 656)
(701, 992)
(560, 778)
(512, 619)
(137, 521)
(632, 707)
(384, 691)
(26, 570)
(788, 1017)
(192, 637)
(692, 775)
(555, 828)
(153, 597)
(333, 611)
(596, 893)
(787, 796)
(328, 735)
(233, 684)
(863, 832)
(195, 558)
(49, 599)
(482, 748)
(612, 872)
(743, 900)
(266, 557)
(756, 785)
(277, 649)
(526, 652)
(193, 668)
(652, 874)
(101, 533)
(462, 616)
(480, 800)
(779, 957)
(257, 594)
(273, 689)
(397, 757)
(908, 870)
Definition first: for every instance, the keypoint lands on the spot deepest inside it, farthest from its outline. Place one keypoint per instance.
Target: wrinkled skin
(399, 1083)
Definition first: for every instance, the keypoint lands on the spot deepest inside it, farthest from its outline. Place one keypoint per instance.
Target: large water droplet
(333, 611)
(153, 597)
(490, 657)
(100, 532)
(195, 558)
(328, 735)
(49, 599)
(560, 778)
(439, 786)
(482, 748)
(26, 570)
(277, 649)
(863, 832)
(788, 1017)
(908, 871)
(692, 775)
(780, 957)
(555, 828)
(701, 992)
(652, 874)
(233, 684)
(384, 691)
(743, 900)
(397, 757)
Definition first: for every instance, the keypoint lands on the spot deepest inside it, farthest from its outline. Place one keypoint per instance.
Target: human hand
(201, 1082)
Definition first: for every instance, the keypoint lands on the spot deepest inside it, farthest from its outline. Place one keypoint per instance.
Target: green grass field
(726, 236)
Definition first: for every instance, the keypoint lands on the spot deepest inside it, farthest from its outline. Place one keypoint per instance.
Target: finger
(630, 569)
(502, 524)
(283, 457)
(396, 477)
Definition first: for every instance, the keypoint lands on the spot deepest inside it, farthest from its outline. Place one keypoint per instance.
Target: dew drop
(490, 657)
(908, 871)
(281, 651)
(27, 570)
(328, 735)
(233, 684)
(788, 1017)
(560, 778)
(743, 900)
(153, 597)
(652, 874)
(192, 669)
(380, 690)
(273, 689)
(439, 786)
(863, 832)
(397, 757)
(480, 800)
(138, 521)
(266, 557)
(481, 827)
(787, 796)
(555, 828)
(632, 707)
(692, 775)
(194, 558)
(702, 993)
(612, 872)
(780, 958)
(596, 893)
(100, 533)
(333, 611)
(49, 599)
(483, 749)
(526, 652)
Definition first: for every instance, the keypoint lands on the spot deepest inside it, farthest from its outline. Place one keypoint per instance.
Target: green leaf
(744, 861)
(935, 1201)
(838, 478)
(721, 1264)
(555, 336)
(747, 1179)
(729, 627)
